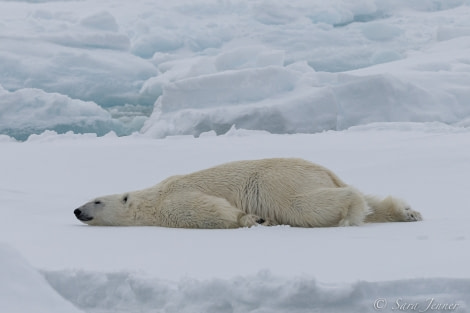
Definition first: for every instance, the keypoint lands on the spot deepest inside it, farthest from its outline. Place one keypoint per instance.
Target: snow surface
(261, 269)
(188, 67)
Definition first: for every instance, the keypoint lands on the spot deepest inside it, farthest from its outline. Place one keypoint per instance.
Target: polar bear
(280, 191)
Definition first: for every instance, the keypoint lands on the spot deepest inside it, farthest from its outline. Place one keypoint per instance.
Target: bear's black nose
(77, 212)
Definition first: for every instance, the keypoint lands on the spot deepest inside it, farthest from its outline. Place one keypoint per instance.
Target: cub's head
(113, 210)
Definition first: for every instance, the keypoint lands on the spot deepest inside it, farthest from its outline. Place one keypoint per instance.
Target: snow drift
(25, 289)
(125, 292)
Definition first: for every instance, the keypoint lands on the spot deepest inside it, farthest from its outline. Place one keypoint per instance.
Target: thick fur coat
(245, 193)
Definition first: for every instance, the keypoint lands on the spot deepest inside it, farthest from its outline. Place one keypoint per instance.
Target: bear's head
(112, 210)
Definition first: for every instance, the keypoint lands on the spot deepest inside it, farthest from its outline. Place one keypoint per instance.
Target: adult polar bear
(245, 193)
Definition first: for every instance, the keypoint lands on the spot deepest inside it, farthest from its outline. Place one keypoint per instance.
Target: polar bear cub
(281, 191)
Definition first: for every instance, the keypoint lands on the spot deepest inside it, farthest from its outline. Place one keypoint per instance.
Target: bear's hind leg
(326, 207)
(390, 210)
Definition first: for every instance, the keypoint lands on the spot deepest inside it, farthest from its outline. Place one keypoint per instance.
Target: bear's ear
(125, 198)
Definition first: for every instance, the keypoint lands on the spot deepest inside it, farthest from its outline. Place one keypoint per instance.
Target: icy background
(187, 67)
(380, 90)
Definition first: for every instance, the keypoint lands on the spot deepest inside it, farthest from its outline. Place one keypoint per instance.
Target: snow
(101, 97)
(261, 269)
(187, 67)
(263, 292)
(24, 289)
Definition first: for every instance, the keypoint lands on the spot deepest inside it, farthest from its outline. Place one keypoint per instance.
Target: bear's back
(253, 185)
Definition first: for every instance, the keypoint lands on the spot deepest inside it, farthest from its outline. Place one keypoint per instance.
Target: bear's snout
(82, 217)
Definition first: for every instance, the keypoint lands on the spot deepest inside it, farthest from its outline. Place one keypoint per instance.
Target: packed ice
(187, 67)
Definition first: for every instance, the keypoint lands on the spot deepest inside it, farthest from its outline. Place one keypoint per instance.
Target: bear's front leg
(195, 209)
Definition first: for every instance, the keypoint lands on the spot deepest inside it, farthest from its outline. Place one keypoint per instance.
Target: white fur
(245, 193)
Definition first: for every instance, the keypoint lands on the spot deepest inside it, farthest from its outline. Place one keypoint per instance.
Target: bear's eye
(97, 202)
(125, 198)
